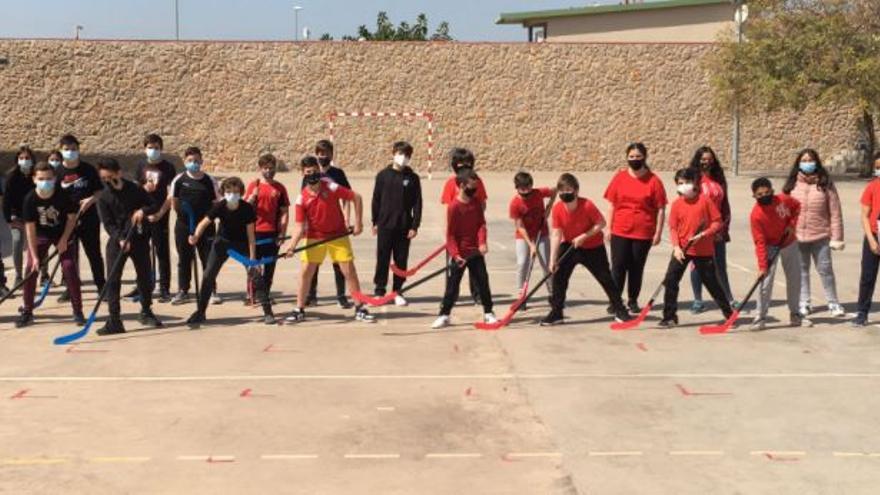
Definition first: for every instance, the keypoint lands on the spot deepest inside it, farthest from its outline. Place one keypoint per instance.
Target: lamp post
(296, 9)
(177, 20)
(739, 17)
(76, 30)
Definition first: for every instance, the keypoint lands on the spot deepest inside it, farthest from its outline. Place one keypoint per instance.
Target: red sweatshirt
(687, 216)
(769, 223)
(465, 227)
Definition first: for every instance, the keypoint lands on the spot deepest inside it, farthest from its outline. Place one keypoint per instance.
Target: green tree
(386, 31)
(797, 52)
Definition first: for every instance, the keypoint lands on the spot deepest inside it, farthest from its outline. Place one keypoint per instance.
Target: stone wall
(535, 106)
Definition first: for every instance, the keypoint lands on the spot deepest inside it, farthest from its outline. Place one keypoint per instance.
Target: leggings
(628, 257)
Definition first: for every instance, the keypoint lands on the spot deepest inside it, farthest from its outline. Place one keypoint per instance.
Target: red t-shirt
(465, 228)
(769, 223)
(636, 203)
(686, 217)
(577, 222)
(531, 211)
(450, 192)
(320, 210)
(712, 190)
(871, 198)
(271, 197)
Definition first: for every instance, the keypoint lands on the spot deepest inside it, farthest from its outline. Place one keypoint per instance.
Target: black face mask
(462, 166)
(567, 197)
(470, 191)
(324, 161)
(268, 174)
(636, 164)
(112, 183)
(765, 200)
(313, 178)
(525, 194)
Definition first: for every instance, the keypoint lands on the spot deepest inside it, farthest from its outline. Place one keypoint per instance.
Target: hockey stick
(387, 298)
(404, 273)
(28, 277)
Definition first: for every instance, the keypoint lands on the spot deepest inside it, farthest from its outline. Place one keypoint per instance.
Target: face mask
(25, 165)
(636, 164)
(54, 163)
(46, 186)
(313, 178)
(192, 166)
(877, 172)
(268, 174)
(525, 194)
(70, 155)
(567, 197)
(808, 167)
(231, 198)
(114, 183)
(470, 191)
(401, 160)
(461, 166)
(765, 200)
(324, 161)
(686, 189)
(153, 154)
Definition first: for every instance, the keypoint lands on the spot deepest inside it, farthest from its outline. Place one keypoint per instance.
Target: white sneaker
(400, 301)
(490, 318)
(758, 323)
(805, 309)
(441, 321)
(836, 310)
(216, 299)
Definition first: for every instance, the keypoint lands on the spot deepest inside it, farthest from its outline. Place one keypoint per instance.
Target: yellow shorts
(338, 249)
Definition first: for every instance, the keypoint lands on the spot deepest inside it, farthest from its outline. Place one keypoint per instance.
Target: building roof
(522, 17)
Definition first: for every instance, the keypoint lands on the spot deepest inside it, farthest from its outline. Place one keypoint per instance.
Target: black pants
(476, 267)
(217, 256)
(159, 241)
(340, 282)
(186, 253)
(705, 266)
(868, 277)
(596, 262)
(139, 253)
(628, 257)
(266, 250)
(89, 234)
(472, 284)
(390, 242)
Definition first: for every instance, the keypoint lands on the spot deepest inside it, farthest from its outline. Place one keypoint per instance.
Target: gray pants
(523, 259)
(18, 246)
(820, 253)
(791, 265)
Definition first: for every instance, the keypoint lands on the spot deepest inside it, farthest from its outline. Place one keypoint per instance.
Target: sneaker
(24, 319)
(622, 315)
(758, 324)
(860, 321)
(551, 319)
(476, 299)
(523, 307)
(78, 318)
(836, 310)
(797, 320)
(400, 301)
(610, 309)
(181, 297)
(361, 314)
(4, 290)
(805, 309)
(490, 318)
(112, 327)
(132, 295)
(148, 319)
(312, 301)
(668, 323)
(633, 307)
(698, 307)
(196, 319)
(269, 318)
(64, 297)
(216, 299)
(441, 321)
(343, 302)
(164, 296)
(296, 316)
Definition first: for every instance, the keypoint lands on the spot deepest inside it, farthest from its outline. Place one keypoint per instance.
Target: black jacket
(16, 188)
(397, 199)
(116, 207)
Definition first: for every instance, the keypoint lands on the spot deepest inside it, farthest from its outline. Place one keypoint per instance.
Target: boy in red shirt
(689, 213)
(466, 246)
(318, 216)
(528, 213)
(577, 226)
(773, 221)
(269, 198)
(870, 248)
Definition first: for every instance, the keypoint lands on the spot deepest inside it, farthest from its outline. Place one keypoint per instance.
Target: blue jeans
(720, 267)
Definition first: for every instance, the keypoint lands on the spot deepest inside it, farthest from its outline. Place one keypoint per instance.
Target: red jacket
(769, 223)
(687, 217)
(465, 228)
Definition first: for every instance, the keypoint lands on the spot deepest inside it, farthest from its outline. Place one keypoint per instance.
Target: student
(637, 209)
(79, 180)
(466, 246)
(577, 225)
(56, 161)
(713, 184)
(237, 232)
(870, 201)
(49, 217)
(19, 182)
(154, 175)
(318, 216)
(689, 213)
(198, 190)
(272, 204)
(528, 212)
(819, 226)
(773, 221)
(122, 206)
(329, 169)
(396, 216)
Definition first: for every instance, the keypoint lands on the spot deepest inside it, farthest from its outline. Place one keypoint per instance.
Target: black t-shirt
(233, 223)
(200, 194)
(80, 182)
(49, 214)
(161, 174)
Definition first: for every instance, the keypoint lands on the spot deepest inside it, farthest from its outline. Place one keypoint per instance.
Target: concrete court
(333, 406)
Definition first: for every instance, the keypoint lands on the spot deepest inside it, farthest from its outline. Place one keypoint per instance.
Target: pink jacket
(821, 215)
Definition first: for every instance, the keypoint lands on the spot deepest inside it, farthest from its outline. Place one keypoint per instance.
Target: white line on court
(453, 455)
(34, 461)
(371, 456)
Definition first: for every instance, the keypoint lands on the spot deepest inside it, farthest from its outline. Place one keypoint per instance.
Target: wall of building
(535, 106)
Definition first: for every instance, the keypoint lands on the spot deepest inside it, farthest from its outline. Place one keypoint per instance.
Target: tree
(386, 31)
(797, 52)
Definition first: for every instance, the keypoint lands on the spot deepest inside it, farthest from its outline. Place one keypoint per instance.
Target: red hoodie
(769, 223)
(687, 216)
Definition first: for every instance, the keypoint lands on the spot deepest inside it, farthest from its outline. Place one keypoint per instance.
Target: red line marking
(642, 347)
(211, 460)
(468, 392)
(23, 394)
(455, 348)
(19, 395)
(780, 459)
(249, 394)
(72, 349)
(272, 348)
(687, 393)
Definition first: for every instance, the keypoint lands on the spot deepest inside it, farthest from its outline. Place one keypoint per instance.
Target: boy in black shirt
(123, 205)
(236, 232)
(50, 218)
(397, 213)
(80, 181)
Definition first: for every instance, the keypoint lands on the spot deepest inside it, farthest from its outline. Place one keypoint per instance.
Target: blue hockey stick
(270, 240)
(247, 262)
(191, 218)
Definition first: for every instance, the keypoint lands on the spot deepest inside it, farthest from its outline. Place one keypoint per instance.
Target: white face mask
(70, 155)
(877, 172)
(55, 163)
(401, 160)
(25, 164)
(231, 198)
(153, 154)
(686, 189)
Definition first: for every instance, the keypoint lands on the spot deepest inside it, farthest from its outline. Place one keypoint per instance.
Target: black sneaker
(164, 296)
(343, 302)
(312, 301)
(860, 321)
(78, 318)
(551, 319)
(181, 297)
(668, 323)
(64, 297)
(269, 318)
(361, 314)
(610, 309)
(132, 295)
(4, 290)
(148, 319)
(622, 315)
(195, 320)
(112, 327)
(633, 307)
(296, 316)
(24, 319)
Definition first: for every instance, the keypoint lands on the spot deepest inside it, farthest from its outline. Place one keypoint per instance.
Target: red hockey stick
(404, 273)
(387, 298)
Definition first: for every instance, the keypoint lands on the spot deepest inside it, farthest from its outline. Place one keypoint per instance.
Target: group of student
(53, 207)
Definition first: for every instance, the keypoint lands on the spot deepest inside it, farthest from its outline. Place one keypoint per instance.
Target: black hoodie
(397, 199)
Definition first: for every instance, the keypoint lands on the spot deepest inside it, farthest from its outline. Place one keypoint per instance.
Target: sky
(470, 20)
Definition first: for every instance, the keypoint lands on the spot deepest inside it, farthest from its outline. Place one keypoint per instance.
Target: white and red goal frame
(427, 116)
